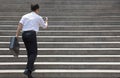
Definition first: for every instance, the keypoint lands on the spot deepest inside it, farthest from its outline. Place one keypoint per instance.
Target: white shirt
(32, 21)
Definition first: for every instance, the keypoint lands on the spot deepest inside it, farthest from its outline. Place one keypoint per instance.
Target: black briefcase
(14, 46)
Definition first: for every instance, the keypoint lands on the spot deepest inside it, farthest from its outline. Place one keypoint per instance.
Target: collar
(34, 13)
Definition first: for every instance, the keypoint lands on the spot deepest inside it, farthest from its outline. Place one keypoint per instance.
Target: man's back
(32, 21)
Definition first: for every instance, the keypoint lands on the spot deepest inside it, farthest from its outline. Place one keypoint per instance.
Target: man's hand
(46, 21)
(46, 18)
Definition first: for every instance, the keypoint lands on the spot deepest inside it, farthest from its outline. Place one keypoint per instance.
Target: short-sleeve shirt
(32, 21)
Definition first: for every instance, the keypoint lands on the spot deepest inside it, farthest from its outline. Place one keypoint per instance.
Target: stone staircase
(82, 41)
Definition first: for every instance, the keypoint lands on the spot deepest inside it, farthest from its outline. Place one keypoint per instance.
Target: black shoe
(31, 70)
(30, 76)
(28, 73)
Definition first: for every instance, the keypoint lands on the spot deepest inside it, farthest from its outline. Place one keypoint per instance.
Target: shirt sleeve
(42, 23)
(22, 20)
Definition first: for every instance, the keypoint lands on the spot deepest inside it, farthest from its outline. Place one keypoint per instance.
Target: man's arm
(44, 24)
(19, 29)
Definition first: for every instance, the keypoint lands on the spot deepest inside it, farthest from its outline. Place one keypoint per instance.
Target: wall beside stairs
(82, 41)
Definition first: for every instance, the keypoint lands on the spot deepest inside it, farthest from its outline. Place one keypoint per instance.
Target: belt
(29, 31)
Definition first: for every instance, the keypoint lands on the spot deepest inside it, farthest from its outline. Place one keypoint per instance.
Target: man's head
(35, 8)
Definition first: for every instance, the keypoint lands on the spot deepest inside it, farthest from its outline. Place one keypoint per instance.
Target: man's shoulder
(26, 15)
(40, 17)
(31, 15)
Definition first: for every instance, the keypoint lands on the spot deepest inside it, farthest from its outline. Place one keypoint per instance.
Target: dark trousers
(30, 41)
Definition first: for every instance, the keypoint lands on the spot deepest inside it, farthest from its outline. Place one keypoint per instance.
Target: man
(29, 24)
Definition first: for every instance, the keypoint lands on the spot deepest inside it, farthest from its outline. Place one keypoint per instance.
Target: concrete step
(66, 0)
(64, 10)
(68, 33)
(69, 22)
(62, 2)
(55, 6)
(62, 73)
(21, 8)
(69, 26)
(57, 51)
(64, 28)
(65, 18)
(63, 58)
(69, 44)
(63, 13)
(60, 10)
(69, 38)
(62, 65)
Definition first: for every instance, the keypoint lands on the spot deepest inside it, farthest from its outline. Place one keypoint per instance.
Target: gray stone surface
(70, 21)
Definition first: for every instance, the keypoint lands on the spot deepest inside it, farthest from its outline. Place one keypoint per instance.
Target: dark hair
(34, 7)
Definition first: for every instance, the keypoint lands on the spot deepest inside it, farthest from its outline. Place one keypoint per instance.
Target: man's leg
(32, 53)
(30, 41)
